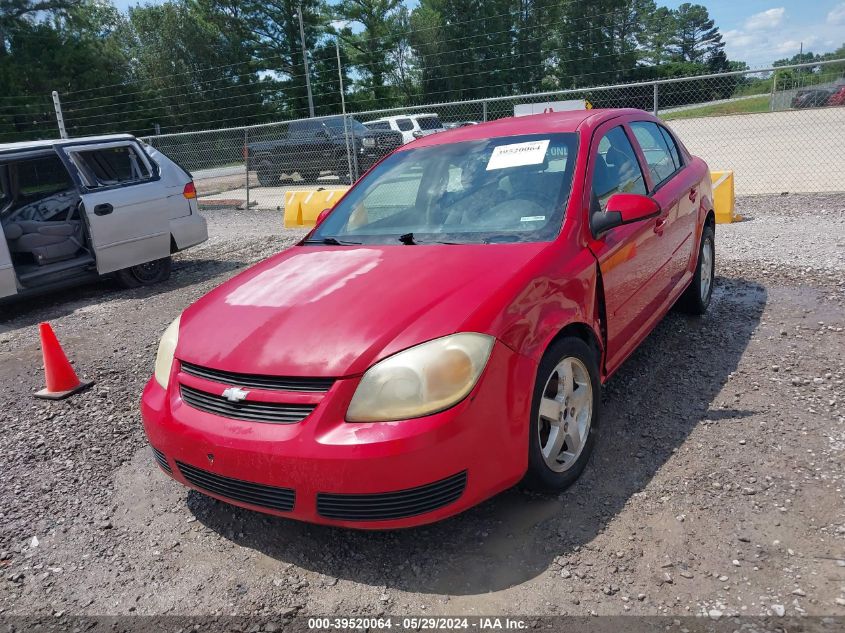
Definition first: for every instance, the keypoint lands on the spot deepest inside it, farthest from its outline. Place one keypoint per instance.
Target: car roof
(568, 121)
(54, 142)
(402, 116)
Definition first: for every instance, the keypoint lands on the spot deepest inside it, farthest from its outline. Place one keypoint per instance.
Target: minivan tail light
(190, 192)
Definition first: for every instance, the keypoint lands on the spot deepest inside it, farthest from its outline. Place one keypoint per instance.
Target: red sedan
(444, 332)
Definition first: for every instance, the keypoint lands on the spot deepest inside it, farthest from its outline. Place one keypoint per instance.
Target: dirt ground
(716, 486)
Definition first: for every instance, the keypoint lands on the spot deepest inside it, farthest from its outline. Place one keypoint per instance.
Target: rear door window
(110, 166)
(404, 125)
(661, 162)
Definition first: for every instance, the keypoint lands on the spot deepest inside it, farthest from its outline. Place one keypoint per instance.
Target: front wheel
(564, 415)
(145, 274)
(696, 297)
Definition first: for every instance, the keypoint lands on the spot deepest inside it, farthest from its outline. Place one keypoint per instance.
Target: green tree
(369, 46)
(696, 37)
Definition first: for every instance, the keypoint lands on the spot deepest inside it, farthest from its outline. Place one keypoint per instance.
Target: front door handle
(103, 209)
(692, 194)
(660, 225)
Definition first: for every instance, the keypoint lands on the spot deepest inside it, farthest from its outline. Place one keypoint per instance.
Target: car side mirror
(323, 215)
(623, 208)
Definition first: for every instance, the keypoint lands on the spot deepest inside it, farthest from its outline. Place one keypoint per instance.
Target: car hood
(334, 311)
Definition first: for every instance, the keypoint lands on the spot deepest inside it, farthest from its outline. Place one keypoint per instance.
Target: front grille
(258, 381)
(252, 411)
(392, 505)
(389, 142)
(161, 460)
(281, 499)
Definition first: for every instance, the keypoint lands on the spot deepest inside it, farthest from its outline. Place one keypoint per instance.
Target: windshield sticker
(532, 218)
(518, 155)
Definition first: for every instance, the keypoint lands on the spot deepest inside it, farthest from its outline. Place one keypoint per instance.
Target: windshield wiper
(331, 241)
(408, 239)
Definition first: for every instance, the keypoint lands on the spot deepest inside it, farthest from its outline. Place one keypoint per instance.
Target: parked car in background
(453, 124)
(411, 126)
(312, 146)
(838, 97)
(76, 209)
(812, 98)
(444, 331)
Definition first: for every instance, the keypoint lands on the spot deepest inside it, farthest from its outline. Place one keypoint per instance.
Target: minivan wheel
(696, 298)
(564, 414)
(145, 274)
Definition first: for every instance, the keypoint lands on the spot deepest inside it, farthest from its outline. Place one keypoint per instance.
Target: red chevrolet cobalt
(444, 332)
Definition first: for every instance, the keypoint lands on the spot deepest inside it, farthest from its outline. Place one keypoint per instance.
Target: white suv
(410, 125)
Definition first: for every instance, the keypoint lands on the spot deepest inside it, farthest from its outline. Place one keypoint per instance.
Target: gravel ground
(716, 486)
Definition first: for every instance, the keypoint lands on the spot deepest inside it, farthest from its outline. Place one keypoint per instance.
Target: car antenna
(407, 239)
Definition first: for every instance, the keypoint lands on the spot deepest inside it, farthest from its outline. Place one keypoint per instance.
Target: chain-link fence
(778, 129)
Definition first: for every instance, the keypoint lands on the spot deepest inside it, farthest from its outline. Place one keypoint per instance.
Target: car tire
(267, 175)
(696, 297)
(146, 274)
(342, 169)
(558, 411)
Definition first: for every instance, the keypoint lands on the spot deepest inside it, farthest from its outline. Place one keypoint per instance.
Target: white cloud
(836, 16)
(766, 20)
(772, 34)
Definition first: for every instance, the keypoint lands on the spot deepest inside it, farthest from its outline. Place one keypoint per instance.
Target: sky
(758, 31)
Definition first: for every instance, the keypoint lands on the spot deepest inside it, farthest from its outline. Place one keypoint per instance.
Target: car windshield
(507, 189)
(336, 124)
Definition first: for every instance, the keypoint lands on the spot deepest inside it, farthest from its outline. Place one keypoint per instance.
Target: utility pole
(305, 61)
(343, 109)
(800, 61)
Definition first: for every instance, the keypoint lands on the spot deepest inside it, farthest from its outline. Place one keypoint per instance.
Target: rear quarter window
(429, 123)
(111, 166)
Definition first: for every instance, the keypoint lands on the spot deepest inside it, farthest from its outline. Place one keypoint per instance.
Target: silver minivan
(76, 209)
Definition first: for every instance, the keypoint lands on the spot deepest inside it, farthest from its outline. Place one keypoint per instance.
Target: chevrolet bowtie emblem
(235, 394)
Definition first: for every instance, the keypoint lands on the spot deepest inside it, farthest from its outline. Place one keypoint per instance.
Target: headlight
(422, 380)
(166, 350)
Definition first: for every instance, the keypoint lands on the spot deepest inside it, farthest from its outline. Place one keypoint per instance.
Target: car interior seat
(47, 242)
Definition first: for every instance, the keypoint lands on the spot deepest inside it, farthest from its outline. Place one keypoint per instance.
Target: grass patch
(743, 106)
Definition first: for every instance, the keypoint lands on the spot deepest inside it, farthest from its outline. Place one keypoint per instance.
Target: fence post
(772, 98)
(484, 111)
(656, 107)
(57, 105)
(246, 164)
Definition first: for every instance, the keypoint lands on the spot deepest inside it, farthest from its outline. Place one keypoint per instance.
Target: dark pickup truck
(313, 146)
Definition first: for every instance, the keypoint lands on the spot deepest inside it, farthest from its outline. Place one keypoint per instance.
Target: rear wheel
(696, 297)
(145, 274)
(267, 175)
(565, 411)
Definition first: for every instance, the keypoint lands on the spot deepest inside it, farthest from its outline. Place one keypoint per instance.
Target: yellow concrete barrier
(303, 207)
(723, 197)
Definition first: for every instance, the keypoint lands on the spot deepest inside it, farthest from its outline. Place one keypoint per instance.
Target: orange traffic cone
(61, 379)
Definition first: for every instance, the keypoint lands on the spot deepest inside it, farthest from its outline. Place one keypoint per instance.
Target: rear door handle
(692, 194)
(103, 209)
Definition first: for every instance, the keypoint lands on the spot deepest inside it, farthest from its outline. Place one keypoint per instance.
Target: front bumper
(363, 475)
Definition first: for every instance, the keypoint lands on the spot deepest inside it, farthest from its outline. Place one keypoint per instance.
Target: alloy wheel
(566, 413)
(706, 268)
